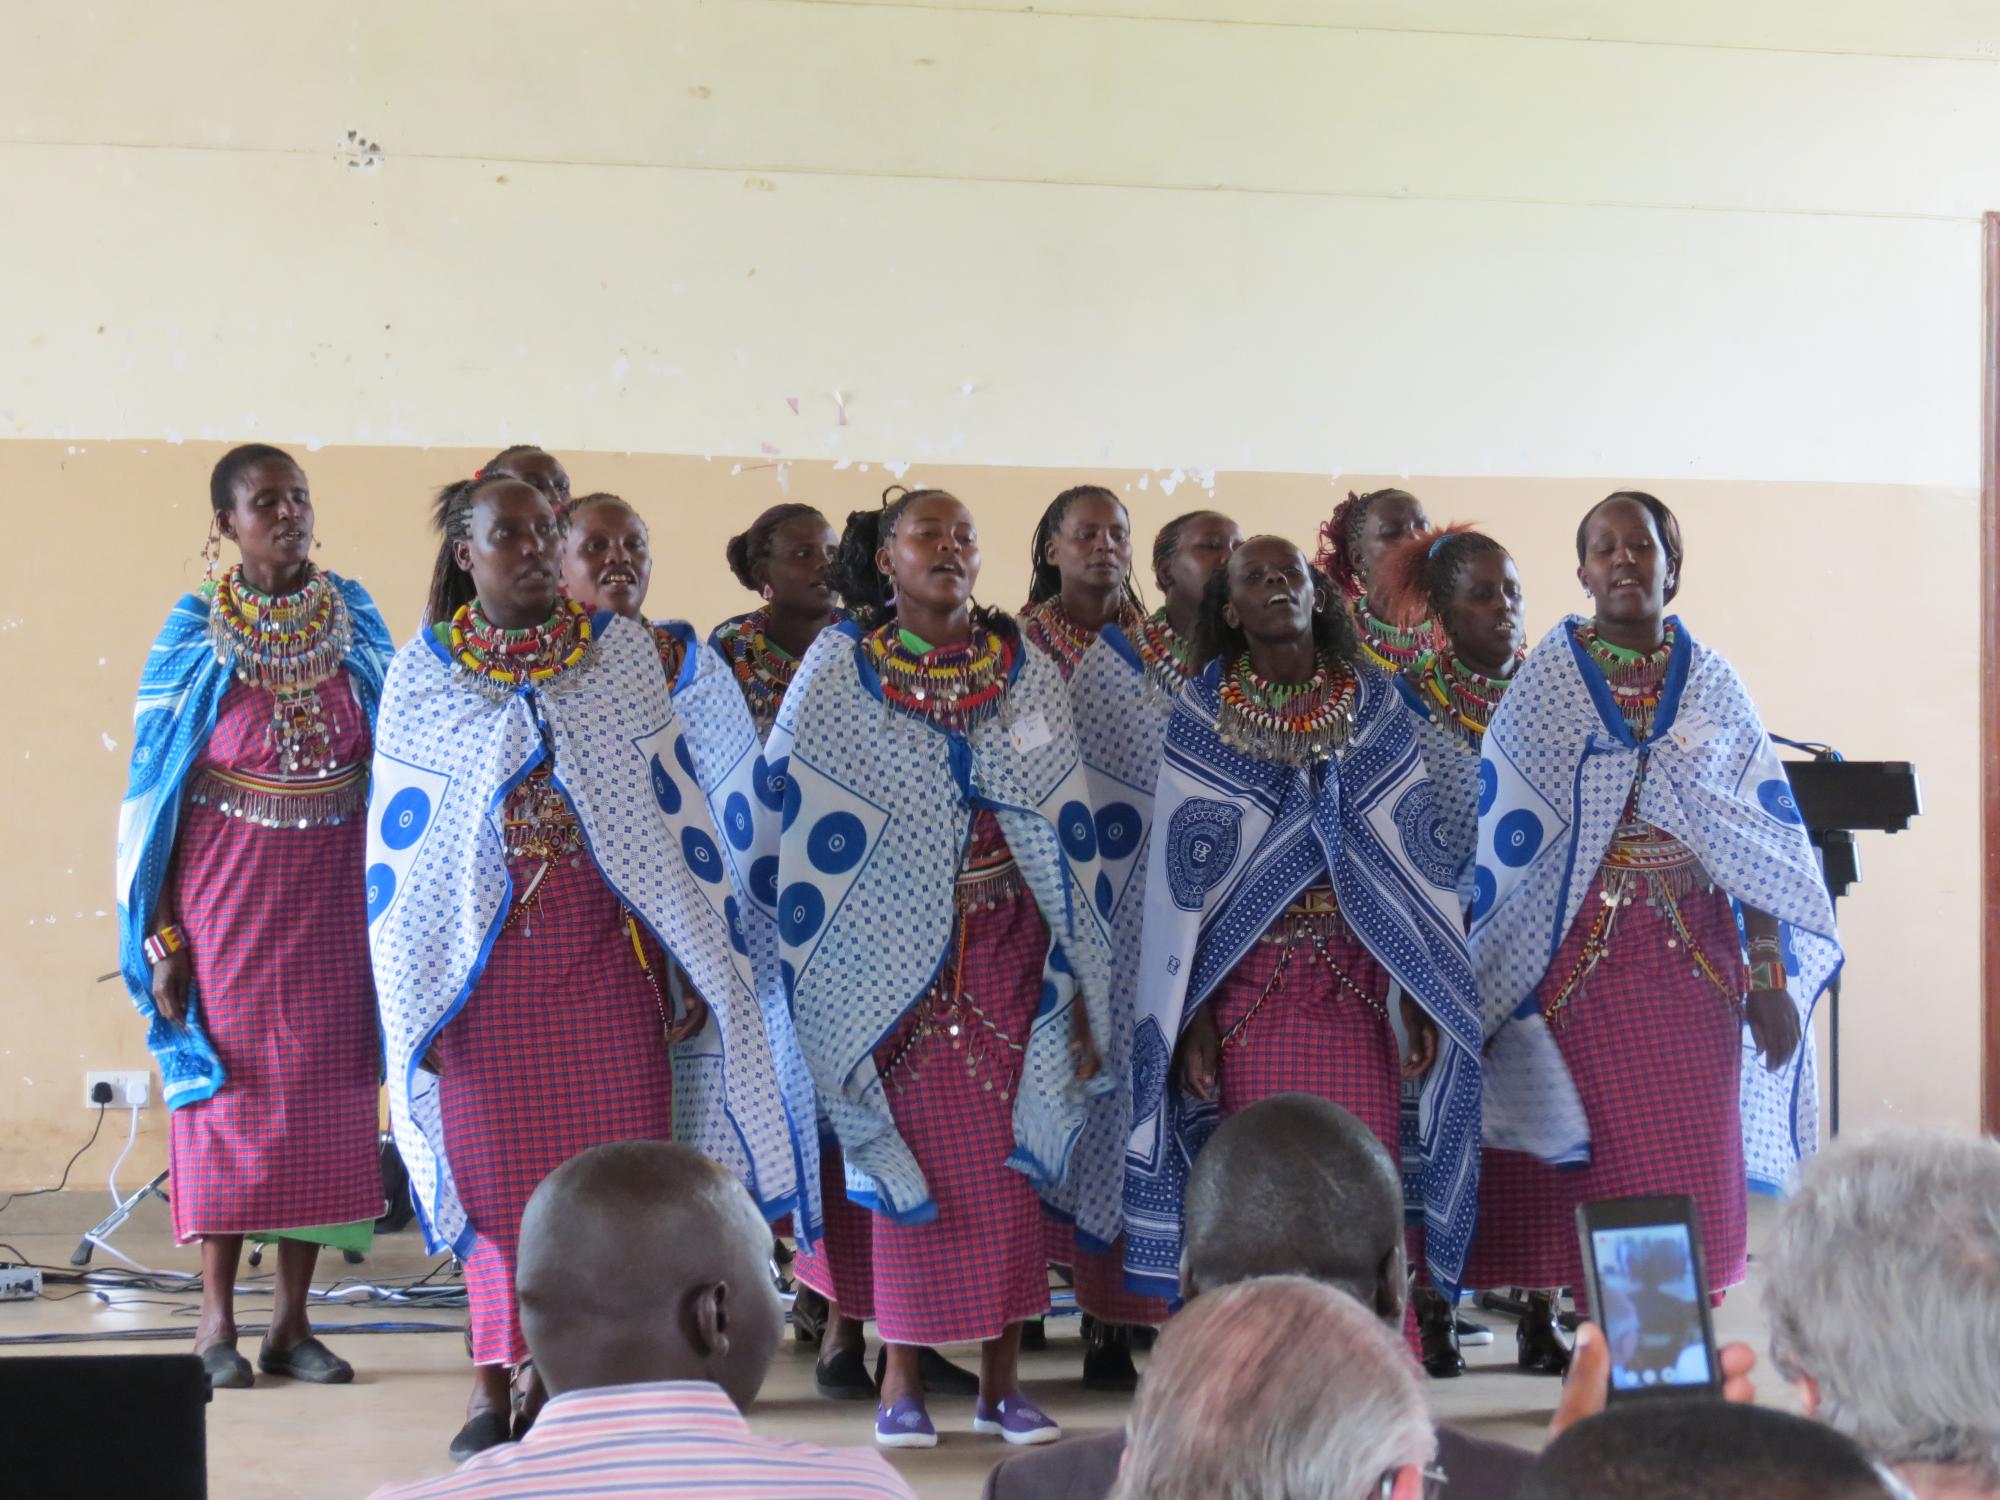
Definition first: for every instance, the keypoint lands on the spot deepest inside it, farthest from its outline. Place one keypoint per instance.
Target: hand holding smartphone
(1648, 1288)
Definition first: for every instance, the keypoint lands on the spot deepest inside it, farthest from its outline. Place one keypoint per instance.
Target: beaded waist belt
(1313, 913)
(1642, 849)
(282, 802)
(989, 881)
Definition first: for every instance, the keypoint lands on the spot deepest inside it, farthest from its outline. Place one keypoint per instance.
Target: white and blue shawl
(736, 780)
(1235, 841)
(877, 806)
(1555, 775)
(1121, 727)
(447, 756)
(180, 693)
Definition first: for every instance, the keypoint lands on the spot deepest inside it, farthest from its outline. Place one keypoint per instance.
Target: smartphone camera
(1649, 1294)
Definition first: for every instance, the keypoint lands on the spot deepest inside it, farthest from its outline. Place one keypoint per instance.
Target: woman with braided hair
(1352, 541)
(1188, 551)
(1082, 574)
(786, 556)
(933, 792)
(1468, 584)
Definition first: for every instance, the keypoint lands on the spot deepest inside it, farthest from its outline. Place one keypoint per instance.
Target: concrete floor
(300, 1442)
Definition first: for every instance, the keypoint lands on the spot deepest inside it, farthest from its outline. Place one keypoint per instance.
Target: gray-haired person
(1274, 1388)
(1883, 1294)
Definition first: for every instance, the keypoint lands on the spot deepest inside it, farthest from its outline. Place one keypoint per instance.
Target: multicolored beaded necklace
(1637, 678)
(953, 687)
(1461, 698)
(500, 661)
(287, 644)
(1294, 724)
(1392, 647)
(1056, 631)
(762, 670)
(1164, 653)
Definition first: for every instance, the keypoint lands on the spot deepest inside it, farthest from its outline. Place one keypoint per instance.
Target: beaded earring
(766, 591)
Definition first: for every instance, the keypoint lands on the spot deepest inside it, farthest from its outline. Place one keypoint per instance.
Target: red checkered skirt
(841, 1266)
(980, 1264)
(560, 1047)
(1655, 1049)
(1101, 1290)
(277, 926)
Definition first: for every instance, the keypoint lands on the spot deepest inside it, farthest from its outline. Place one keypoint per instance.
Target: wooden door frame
(1989, 688)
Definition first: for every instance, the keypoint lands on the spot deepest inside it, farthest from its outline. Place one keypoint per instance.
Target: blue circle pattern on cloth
(1105, 895)
(1078, 831)
(1118, 830)
(406, 817)
(1484, 888)
(1517, 838)
(381, 890)
(800, 911)
(1775, 797)
(734, 916)
(1489, 786)
(764, 879)
(666, 791)
(737, 824)
(793, 799)
(702, 857)
(836, 843)
(686, 759)
(768, 781)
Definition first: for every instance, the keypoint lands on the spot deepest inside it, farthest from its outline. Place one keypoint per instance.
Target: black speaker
(91, 1425)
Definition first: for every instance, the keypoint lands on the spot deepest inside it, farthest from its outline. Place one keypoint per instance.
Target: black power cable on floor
(37, 1192)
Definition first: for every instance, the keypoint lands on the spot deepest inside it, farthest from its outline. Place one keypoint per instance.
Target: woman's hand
(1081, 1047)
(694, 1018)
(171, 977)
(1774, 1025)
(1201, 1054)
(1423, 1034)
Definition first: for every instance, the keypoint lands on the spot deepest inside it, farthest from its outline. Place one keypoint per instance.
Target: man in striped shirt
(651, 1319)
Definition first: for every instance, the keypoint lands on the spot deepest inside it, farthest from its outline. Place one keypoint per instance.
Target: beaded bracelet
(1767, 974)
(169, 939)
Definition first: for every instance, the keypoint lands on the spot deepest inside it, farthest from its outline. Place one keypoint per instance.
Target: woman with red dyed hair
(1352, 542)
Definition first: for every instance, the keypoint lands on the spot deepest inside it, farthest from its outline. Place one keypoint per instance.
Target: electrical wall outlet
(19, 1283)
(126, 1088)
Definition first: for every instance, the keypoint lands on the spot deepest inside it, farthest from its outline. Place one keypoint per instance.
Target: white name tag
(1693, 729)
(1031, 733)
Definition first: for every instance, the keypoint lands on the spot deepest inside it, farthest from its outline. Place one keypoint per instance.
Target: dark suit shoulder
(1078, 1468)
(1479, 1468)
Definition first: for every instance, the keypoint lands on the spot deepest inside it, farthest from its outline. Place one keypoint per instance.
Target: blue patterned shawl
(1236, 839)
(180, 692)
(1557, 770)
(876, 809)
(446, 758)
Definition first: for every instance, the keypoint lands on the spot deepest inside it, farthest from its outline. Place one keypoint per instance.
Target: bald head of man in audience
(1296, 1186)
(644, 1261)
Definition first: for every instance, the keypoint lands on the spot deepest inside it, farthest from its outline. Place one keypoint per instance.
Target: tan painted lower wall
(1851, 612)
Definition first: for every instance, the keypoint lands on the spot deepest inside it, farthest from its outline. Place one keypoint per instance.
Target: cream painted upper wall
(1015, 238)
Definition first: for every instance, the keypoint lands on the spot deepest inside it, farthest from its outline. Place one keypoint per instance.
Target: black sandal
(482, 1430)
(843, 1376)
(308, 1360)
(227, 1370)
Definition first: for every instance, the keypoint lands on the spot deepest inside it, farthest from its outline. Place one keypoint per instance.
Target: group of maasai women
(953, 933)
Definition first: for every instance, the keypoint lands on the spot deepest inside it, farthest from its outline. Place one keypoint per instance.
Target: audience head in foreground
(1296, 1186)
(1276, 1388)
(1701, 1450)
(645, 1261)
(1883, 1293)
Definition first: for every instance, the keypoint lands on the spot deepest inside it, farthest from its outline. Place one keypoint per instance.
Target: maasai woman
(1351, 542)
(1296, 899)
(1189, 550)
(1628, 796)
(1081, 583)
(242, 931)
(786, 557)
(931, 782)
(543, 470)
(537, 836)
(1466, 582)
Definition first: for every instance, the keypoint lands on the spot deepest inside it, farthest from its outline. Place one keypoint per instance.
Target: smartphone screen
(1651, 1306)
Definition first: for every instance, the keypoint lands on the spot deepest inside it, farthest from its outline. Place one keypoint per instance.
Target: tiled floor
(282, 1439)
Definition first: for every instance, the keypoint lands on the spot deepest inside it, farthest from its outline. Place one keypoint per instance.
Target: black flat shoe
(1439, 1332)
(809, 1310)
(1107, 1358)
(943, 1378)
(308, 1360)
(1538, 1343)
(482, 1430)
(227, 1370)
(843, 1376)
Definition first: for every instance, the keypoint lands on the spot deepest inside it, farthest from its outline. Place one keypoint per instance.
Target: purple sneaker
(1015, 1418)
(904, 1425)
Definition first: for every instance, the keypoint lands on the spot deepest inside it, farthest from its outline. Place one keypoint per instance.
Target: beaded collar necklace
(762, 670)
(1637, 678)
(284, 642)
(1392, 647)
(1056, 631)
(1294, 724)
(1461, 698)
(500, 661)
(953, 687)
(1164, 654)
